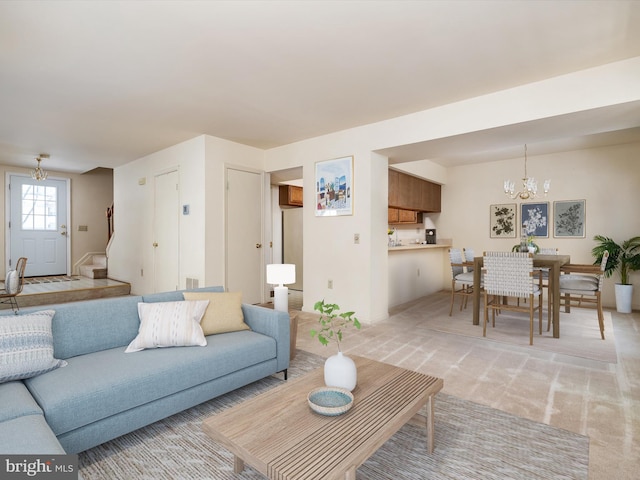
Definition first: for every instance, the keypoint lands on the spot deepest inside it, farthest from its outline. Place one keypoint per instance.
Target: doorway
(292, 243)
(38, 225)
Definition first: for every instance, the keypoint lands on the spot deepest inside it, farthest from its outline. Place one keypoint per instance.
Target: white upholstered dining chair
(581, 287)
(461, 281)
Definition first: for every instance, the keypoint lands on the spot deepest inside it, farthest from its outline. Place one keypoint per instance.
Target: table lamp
(281, 274)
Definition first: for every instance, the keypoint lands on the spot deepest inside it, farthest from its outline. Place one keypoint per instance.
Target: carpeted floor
(472, 442)
(579, 331)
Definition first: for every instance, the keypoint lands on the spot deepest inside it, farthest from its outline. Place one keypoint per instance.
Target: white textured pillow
(169, 324)
(26, 346)
(11, 282)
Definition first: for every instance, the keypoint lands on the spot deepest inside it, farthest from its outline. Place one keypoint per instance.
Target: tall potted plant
(339, 370)
(623, 258)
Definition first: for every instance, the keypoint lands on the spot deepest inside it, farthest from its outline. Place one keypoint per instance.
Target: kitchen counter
(415, 271)
(414, 246)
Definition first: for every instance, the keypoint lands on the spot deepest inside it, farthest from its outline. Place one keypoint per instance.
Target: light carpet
(579, 330)
(472, 441)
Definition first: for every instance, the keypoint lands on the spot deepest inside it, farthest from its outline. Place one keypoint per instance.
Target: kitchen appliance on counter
(430, 231)
(430, 236)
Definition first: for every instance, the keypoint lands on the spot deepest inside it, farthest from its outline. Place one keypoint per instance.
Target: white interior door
(166, 245)
(244, 234)
(38, 225)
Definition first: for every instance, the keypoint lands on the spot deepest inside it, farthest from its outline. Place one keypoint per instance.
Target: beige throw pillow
(224, 313)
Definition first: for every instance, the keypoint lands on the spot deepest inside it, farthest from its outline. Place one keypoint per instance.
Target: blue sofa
(103, 393)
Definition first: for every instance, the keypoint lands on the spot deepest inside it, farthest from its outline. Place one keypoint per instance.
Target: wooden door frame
(7, 216)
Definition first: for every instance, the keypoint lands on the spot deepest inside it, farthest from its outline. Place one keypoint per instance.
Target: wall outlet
(330, 284)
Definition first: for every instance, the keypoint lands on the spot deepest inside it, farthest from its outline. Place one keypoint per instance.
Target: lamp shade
(281, 273)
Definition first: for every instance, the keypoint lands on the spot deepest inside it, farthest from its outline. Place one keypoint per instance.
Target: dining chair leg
(453, 293)
(531, 311)
(600, 315)
(540, 303)
(567, 303)
(486, 315)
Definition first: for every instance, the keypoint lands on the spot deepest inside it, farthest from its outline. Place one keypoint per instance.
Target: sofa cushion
(105, 383)
(224, 313)
(28, 435)
(94, 325)
(16, 401)
(169, 324)
(26, 346)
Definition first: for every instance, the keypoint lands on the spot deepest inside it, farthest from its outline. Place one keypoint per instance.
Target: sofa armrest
(273, 323)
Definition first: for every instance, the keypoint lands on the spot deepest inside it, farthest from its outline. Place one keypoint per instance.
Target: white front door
(166, 227)
(244, 234)
(39, 224)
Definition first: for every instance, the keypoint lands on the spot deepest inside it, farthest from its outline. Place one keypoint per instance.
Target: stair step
(93, 271)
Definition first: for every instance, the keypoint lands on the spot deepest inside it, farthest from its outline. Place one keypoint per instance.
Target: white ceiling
(101, 83)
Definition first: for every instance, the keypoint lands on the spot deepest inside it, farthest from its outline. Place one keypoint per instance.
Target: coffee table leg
(430, 427)
(350, 474)
(238, 464)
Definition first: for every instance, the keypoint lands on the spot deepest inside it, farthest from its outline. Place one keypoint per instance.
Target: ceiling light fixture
(529, 185)
(40, 174)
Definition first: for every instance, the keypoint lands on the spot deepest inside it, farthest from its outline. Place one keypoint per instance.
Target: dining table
(553, 262)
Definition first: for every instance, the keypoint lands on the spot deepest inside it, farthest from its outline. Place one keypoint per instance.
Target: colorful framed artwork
(535, 219)
(334, 187)
(503, 220)
(569, 217)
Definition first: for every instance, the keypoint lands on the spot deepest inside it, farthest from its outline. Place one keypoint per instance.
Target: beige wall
(607, 178)
(360, 272)
(91, 195)
(201, 164)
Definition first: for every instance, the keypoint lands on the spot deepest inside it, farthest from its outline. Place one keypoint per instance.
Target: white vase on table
(340, 371)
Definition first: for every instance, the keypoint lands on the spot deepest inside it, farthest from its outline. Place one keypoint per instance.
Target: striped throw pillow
(26, 346)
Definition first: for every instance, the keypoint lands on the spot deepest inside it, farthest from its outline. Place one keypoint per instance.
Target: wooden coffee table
(281, 437)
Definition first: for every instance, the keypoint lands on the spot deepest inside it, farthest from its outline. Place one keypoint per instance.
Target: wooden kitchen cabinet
(290, 196)
(430, 197)
(399, 216)
(394, 188)
(407, 192)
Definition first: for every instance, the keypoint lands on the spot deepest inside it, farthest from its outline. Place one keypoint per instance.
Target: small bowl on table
(330, 401)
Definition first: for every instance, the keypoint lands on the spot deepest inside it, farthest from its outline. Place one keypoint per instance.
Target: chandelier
(40, 174)
(529, 185)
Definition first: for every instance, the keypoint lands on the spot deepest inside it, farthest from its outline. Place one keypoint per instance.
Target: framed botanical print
(535, 219)
(569, 218)
(502, 220)
(334, 187)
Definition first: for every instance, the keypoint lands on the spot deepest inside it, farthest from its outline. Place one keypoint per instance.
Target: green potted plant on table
(623, 258)
(339, 370)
